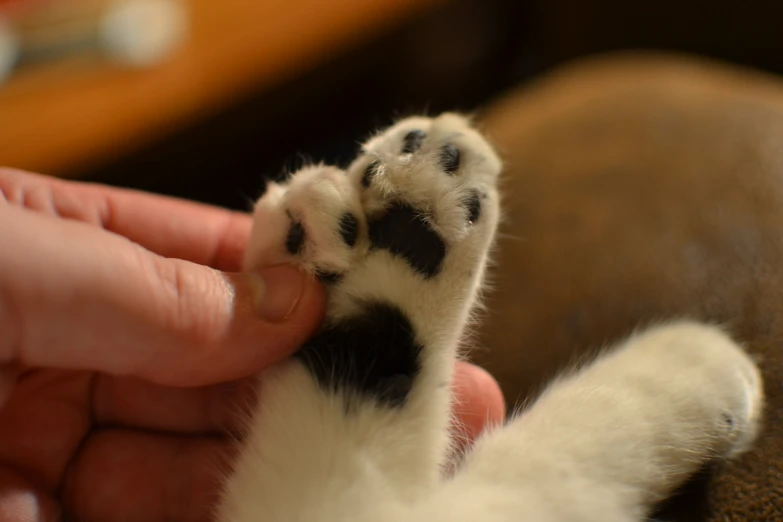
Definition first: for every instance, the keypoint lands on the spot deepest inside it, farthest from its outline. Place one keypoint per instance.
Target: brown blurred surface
(642, 187)
(67, 116)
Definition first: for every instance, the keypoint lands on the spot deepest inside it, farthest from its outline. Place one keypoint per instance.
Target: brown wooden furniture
(640, 188)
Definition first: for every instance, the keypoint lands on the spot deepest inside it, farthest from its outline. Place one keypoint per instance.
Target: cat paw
(400, 238)
(425, 184)
(314, 221)
(720, 385)
(361, 412)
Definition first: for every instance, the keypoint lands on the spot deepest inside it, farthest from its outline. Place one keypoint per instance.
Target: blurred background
(205, 98)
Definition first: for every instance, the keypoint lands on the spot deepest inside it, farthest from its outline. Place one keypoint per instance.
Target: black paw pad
(394, 389)
(412, 141)
(449, 158)
(349, 228)
(295, 238)
(473, 206)
(370, 172)
(374, 354)
(404, 232)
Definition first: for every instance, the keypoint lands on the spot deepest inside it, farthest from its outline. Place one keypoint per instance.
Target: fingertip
(295, 315)
(479, 401)
(278, 291)
(287, 300)
(309, 308)
(276, 311)
(490, 389)
(249, 323)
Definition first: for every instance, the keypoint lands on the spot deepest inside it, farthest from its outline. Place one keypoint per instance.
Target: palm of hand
(105, 448)
(99, 447)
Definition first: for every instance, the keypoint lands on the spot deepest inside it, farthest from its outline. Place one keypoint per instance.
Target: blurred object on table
(68, 115)
(126, 32)
(8, 50)
(451, 56)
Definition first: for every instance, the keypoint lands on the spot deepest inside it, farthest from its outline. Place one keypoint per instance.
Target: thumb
(74, 296)
(224, 326)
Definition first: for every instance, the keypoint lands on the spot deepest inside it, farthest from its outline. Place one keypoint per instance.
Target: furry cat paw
(401, 239)
(313, 220)
(720, 386)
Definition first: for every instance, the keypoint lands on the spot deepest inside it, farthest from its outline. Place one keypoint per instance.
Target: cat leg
(355, 427)
(609, 441)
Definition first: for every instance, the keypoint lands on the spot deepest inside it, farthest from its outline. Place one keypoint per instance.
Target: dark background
(455, 57)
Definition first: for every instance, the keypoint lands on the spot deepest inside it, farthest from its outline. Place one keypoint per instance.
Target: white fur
(604, 443)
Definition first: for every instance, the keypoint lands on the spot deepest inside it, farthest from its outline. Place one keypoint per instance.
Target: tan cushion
(641, 187)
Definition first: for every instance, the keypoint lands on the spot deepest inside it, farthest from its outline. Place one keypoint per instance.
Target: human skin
(128, 337)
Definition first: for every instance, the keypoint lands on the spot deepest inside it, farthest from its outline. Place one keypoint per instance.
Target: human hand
(126, 340)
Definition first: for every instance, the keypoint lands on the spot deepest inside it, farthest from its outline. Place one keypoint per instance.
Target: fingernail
(276, 291)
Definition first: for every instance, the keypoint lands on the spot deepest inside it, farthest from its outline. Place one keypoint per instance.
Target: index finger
(168, 226)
